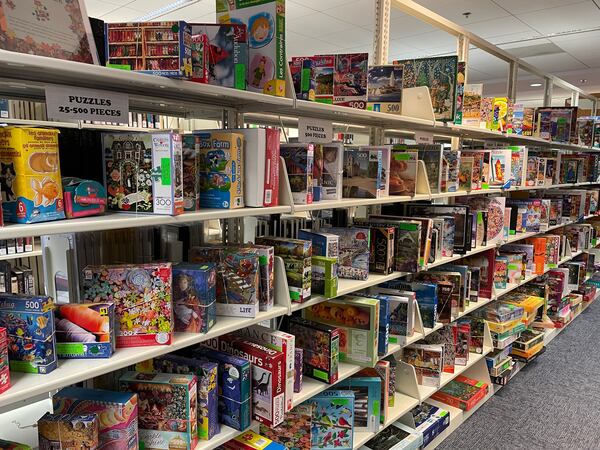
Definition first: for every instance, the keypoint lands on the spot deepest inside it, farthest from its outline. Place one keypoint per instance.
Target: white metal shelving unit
(26, 76)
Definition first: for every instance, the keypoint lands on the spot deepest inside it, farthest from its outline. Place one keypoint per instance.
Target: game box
(296, 430)
(299, 160)
(367, 398)
(332, 420)
(142, 297)
(143, 172)
(68, 431)
(353, 259)
(194, 297)
(427, 361)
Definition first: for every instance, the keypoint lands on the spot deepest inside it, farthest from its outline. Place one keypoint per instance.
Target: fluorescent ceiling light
(163, 10)
(535, 84)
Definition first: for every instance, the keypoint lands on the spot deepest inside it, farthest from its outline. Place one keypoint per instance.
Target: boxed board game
(528, 339)
(30, 175)
(143, 172)
(268, 375)
(323, 243)
(384, 92)
(353, 259)
(266, 267)
(439, 75)
(207, 378)
(381, 251)
(321, 348)
(427, 361)
(446, 337)
(358, 322)
(296, 255)
(401, 316)
(221, 169)
(427, 299)
(261, 166)
(29, 323)
(333, 171)
(156, 48)
(332, 420)
(350, 80)
(190, 146)
(295, 431)
(299, 160)
(241, 272)
(194, 297)
(234, 385)
(4, 366)
(396, 436)
(430, 421)
(142, 297)
(282, 342)
(167, 408)
(83, 197)
(221, 58)
(367, 398)
(462, 392)
(85, 330)
(117, 414)
(265, 22)
(403, 172)
(363, 172)
(323, 70)
(324, 276)
(298, 361)
(303, 76)
(68, 431)
(381, 371)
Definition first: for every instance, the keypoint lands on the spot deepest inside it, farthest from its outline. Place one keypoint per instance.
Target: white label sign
(422, 137)
(314, 130)
(67, 104)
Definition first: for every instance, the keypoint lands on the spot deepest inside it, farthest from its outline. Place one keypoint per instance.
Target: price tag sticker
(72, 104)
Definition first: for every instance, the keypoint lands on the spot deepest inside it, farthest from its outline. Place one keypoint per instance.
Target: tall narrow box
(266, 40)
(261, 166)
(143, 172)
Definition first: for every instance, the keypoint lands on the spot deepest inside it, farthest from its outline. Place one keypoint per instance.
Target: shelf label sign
(69, 104)
(315, 131)
(422, 137)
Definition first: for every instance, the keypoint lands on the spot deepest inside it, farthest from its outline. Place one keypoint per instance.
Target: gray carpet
(551, 404)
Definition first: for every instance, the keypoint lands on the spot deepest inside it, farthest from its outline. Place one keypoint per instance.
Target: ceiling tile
(360, 13)
(565, 18)
(123, 14)
(579, 46)
(430, 41)
(408, 26)
(453, 10)
(320, 5)
(358, 36)
(555, 63)
(494, 27)
(519, 6)
(96, 8)
(295, 9)
(299, 45)
(314, 25)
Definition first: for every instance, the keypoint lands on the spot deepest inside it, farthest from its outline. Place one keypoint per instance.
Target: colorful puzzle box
(85, 330)
(167, 415)
(156, 48)
(221, 169)
(144, 172)
(265, 22)
(332, 420)
(194, 297)
(68, 431)
(29, 323)
(117, 414)
(30, 175)
(142, 298)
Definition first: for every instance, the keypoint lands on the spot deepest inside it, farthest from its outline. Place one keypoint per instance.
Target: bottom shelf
(402, 405)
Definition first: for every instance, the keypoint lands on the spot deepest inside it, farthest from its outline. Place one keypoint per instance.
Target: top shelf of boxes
(26, 75)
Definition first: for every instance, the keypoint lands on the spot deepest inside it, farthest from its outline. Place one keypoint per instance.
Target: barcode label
(268, 196)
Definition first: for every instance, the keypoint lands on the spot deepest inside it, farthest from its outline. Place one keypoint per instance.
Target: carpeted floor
(553, 404)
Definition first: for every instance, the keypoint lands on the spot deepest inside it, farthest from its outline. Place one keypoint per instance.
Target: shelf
(37, 251)
(226, 434)
(79, 125)
(25, 386)
(111, 221)
(346, 286)
(402, 405)
(427, 391)
(311, 387)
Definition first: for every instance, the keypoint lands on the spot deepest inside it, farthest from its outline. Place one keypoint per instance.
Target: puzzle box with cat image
(30, 175)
